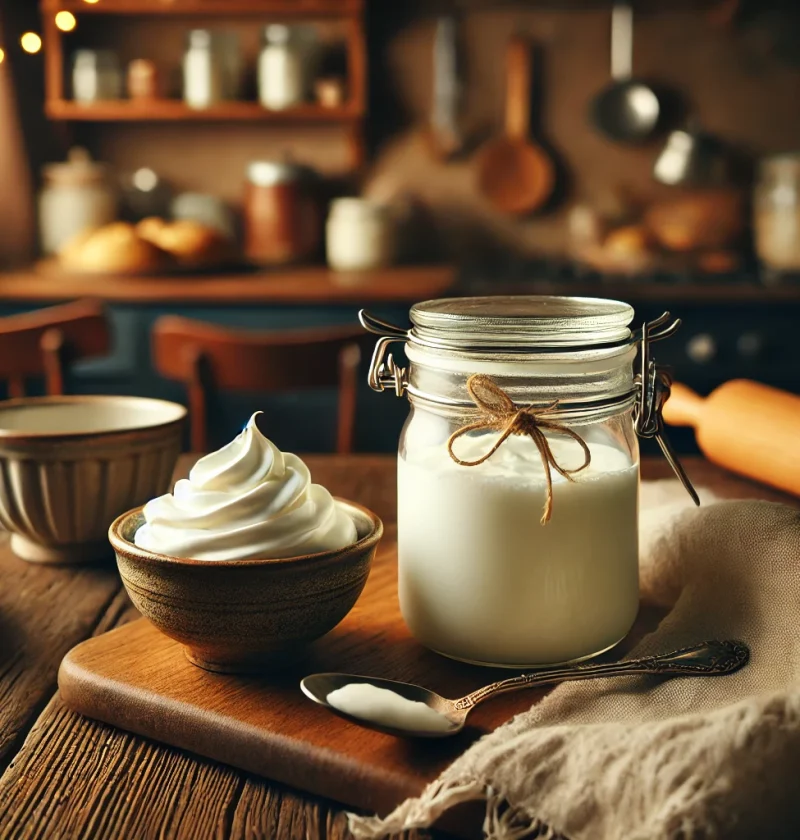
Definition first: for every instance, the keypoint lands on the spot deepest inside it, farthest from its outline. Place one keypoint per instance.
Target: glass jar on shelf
(286, 65)
(518, 473)
(96, 76)
(776, 208)
(203, 72)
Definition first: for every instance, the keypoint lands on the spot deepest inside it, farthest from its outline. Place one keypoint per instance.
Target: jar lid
(78, 170)
(281, 34)
(359, 208)
(269, 173)
(95, 58)
(200, 39)
(785, 162)
(520, 321)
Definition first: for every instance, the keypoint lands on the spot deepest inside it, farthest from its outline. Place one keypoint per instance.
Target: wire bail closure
(654, 385)
(653, 382)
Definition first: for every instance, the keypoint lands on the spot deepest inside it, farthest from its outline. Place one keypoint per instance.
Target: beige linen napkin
(643, 758)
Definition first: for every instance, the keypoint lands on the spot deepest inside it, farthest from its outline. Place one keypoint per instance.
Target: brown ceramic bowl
(70, 465)
(241, 616)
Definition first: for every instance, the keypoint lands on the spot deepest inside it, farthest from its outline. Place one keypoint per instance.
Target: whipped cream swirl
(247, 500)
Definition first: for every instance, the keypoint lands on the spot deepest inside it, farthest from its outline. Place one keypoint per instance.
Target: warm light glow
(2, 55)
(65, 21)
(91, 2)
(31, 42)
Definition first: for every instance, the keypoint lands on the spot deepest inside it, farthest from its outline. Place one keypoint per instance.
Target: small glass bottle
(285, 66)
(96, 76)
(203, 71)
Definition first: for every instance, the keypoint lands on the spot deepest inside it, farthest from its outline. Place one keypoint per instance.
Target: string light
(2, 55)
(31, 42)
(65, 21)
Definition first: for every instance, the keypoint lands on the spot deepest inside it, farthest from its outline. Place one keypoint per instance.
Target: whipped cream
(247, 500)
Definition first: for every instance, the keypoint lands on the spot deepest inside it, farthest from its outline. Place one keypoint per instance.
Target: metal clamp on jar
(518, 472)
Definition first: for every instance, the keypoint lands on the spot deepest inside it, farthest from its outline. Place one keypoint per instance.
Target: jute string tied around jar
(502, 414)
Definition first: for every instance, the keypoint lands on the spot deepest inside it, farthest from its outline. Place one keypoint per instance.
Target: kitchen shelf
(282, 8)
(166, 110)
(350, 116)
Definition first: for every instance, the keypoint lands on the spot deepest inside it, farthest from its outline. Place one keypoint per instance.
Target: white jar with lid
(495, 567)
(77, 196)
(776, 222)
(360, 235)
(285, 66)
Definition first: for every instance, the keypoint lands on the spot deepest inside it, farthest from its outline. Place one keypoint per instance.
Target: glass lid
(522, 321)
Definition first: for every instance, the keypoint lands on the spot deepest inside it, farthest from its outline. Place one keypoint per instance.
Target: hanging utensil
(515, 174)
(627, 110)
(446, 137)
(691, 157)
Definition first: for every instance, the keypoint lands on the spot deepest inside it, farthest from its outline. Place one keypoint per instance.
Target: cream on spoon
(369, 702)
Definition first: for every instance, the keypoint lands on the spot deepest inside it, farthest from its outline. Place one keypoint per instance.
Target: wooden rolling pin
(746, 427)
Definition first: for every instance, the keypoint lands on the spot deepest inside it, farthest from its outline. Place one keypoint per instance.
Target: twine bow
(502, 414)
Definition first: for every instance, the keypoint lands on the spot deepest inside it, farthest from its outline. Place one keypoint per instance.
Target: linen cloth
(644, 758)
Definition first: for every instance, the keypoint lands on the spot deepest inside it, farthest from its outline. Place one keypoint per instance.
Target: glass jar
(281, 213)
(77, 196)
(96, 76)
(359, 235)
(285, 66)
(777, 212)
(499, 564)
(203, 71)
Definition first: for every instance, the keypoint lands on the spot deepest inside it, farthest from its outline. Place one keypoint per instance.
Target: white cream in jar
(492, 568)
(483, 580)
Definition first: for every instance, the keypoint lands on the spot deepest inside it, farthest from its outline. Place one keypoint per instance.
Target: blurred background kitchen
(274, 165)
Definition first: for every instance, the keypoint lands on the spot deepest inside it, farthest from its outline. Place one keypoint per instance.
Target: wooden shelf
(282, 8)
(718, 293)
(311, 285)
(166, 110)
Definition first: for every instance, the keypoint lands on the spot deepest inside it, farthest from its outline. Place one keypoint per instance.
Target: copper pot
(282, 213)
(711, 219)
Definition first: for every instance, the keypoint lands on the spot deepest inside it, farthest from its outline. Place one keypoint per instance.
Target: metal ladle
(692, 157)
(627, 110)
(712, 658)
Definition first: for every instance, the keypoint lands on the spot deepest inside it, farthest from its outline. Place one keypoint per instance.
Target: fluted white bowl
(69, 466)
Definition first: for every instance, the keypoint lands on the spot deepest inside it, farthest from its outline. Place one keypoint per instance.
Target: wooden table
(67, 777)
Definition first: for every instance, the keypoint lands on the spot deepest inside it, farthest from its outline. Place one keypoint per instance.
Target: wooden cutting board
(136, 678)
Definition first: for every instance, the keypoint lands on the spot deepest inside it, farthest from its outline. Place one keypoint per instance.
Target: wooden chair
(205, 356)
(45, 342)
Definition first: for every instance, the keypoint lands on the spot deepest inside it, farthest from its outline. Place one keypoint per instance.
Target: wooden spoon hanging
(515, 174)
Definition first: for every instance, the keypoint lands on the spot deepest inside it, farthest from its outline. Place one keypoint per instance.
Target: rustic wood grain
(55, 785)
(312, 284)
(44, 611)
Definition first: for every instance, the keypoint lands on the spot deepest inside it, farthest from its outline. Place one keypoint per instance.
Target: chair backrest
(205, 356)
(44, 342)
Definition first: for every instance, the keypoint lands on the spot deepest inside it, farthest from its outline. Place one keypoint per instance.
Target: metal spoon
(628, 110)
(711, 658)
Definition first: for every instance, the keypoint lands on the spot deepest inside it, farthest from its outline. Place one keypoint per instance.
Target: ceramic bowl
(244, 616)
(70, 465)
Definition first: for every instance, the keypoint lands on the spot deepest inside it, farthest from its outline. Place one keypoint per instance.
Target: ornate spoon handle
(711, 658)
